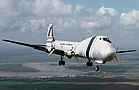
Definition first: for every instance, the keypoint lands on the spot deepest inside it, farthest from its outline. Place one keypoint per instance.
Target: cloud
(20, 15)
(33, 25)
(51, 8)
(8, 8)
(79, 8)
(130, 18)
(107, 11)
(27, 16)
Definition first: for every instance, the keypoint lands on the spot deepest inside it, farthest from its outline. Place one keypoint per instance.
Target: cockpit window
(107, 40)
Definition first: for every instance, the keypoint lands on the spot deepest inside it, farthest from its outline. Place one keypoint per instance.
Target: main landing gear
(61, 62)
(89, 64)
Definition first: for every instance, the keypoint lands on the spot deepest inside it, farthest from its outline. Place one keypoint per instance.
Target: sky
(27, 20)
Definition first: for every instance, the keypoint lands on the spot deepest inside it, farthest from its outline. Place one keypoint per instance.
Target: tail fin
(50, 37)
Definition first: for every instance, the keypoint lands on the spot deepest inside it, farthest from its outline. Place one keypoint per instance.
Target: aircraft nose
(110, 54)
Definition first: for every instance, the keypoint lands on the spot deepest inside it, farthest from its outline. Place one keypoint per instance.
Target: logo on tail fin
(50, 37)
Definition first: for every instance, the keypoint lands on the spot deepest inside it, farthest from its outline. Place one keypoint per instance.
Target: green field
(16, 68)
(67, 83)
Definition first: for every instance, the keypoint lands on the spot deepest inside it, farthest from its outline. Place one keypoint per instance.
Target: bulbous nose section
(109, 53)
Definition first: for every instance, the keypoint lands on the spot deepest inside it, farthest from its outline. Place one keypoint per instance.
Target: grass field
(16, 68)
(70, 83)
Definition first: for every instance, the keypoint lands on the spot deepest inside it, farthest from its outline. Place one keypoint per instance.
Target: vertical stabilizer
(50, 37)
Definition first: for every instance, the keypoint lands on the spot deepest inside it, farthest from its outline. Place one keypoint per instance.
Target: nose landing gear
(96, 68)
(89, 64)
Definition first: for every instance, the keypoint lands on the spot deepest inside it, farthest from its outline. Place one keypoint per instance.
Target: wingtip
(3, 39)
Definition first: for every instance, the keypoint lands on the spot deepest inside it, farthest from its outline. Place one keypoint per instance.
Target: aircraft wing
(124, 51)
(38, 47)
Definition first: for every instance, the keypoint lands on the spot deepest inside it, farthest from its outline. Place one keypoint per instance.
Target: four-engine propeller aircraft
(97, 48)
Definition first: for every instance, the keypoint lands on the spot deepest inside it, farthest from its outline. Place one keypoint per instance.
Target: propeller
(52, 50)
(116, 54)
(76, 58)
(73, 54)
(116, 58)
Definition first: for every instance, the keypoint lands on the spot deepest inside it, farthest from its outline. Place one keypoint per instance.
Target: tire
(89, 64)
(61, 63)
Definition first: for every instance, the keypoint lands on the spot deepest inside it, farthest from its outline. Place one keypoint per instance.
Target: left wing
(38, 47)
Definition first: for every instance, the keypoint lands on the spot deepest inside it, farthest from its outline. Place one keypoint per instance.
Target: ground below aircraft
(98, 48)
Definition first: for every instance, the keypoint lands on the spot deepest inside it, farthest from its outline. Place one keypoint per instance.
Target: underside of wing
(38, 47)
(35, 46)
(124, 51)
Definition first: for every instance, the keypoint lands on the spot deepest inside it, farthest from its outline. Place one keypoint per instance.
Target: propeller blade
(52, 52)
(76, 58)
(116, 58)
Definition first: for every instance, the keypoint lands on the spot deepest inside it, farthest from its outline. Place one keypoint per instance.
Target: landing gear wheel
(89, 64)
(97, 68)
(61, 63)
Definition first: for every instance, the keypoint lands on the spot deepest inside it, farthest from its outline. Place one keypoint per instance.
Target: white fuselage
(95, 48)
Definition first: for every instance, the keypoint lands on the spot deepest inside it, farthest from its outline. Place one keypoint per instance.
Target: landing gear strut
(61, 62)
(97, 68)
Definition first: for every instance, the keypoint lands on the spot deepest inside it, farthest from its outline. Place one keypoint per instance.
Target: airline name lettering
(68, 44)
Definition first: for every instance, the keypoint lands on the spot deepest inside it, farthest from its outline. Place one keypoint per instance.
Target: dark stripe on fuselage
(89, 46)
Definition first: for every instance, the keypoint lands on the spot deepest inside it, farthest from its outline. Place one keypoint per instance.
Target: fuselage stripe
(89, 46)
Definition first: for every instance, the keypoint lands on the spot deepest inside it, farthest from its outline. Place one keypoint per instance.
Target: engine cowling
(70, 53)
(51, 49)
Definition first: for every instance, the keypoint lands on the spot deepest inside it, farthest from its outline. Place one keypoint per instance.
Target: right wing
(38, 47)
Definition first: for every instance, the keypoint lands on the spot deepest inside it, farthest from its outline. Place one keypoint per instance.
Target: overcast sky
(27, 20)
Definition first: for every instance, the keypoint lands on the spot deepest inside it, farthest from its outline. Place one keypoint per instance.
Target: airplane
(98, 48)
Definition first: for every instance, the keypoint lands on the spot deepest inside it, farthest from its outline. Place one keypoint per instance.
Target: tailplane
(50, 36)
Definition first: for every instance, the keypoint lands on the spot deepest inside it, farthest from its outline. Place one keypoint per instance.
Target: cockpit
(105, 39)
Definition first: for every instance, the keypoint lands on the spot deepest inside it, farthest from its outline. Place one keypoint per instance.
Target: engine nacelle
(51, 49)
(70, 53)
(100, 61)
